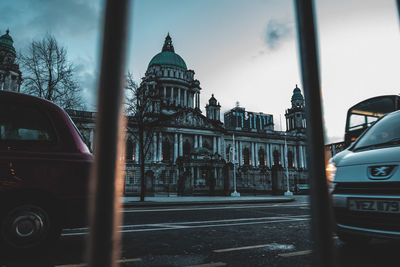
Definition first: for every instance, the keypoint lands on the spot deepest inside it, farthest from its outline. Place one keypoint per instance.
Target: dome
(297, 94)
(168, 56)
(6, 43)
(212, 101)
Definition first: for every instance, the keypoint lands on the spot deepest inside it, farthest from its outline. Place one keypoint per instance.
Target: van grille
(379, 188)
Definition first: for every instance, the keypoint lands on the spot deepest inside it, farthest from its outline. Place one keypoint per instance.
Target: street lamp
(234, 193)
(287, 193)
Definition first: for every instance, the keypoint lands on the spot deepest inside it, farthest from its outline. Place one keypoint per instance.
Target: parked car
(366, 188)
(44, 168)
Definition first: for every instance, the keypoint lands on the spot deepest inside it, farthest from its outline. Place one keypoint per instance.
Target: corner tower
(295, 116)
(213, 109)
(10, 75)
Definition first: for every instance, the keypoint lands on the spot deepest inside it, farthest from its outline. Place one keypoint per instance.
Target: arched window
(246, 156)
(261, 159)
(276, 157)
(290, 159)
(166, 151)
(129, 150)
(187, 147)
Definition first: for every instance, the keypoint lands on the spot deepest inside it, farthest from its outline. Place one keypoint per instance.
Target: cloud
(277, 32)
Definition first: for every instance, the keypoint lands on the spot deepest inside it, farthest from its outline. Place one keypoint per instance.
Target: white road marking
(85, 264)
(185, 225)
(210, 208)
(240, 248)
(211, 264)
(296, 253)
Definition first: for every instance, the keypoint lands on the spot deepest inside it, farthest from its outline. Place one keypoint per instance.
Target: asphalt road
(275, 234)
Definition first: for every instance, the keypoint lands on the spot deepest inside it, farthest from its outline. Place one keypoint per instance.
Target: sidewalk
(174, 200)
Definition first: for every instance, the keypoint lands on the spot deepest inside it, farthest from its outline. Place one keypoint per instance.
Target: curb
(193, 203)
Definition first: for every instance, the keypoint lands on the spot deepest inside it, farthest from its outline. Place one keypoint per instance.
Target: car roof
(28, 99)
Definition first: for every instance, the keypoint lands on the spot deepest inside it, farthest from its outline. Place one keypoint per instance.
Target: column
(295, 157)
(185, 97)
(267, 155)
(175, 147)
(256, 150)
(160, 146)
(196, 144)
(282, 156)
(179, 97)
(219, 145)
(154, 152)
(180, 145)
(214, 144)
(172, 95)
(200, 141)
(91, 139)
(237, 152)
(137, 151)
(240, 153)
(301, 157)
(224, 148)
(165, 92)
(271, 155)
(305, 157)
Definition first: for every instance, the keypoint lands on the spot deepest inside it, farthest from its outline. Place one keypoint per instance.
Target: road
(275, 234)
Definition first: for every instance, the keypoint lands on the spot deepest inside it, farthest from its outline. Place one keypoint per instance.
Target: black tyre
(352, 239)
(28, 227)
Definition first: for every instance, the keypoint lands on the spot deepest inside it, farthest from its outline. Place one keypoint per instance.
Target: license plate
(374, 205)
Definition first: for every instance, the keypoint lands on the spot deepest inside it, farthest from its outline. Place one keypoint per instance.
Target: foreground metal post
(103, 202)
(320, 204)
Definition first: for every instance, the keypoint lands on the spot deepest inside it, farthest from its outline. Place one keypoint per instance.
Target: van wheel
(28, 227)
(351, 239)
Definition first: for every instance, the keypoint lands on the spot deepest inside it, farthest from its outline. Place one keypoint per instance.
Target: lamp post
(234, 193)
(288, 192)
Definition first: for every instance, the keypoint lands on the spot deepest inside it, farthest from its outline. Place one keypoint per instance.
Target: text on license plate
(376, 205)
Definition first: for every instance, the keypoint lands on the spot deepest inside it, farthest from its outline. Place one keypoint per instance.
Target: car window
(24, 124)
(385, 130)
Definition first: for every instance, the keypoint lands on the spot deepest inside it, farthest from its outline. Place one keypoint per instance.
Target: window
(21, 124)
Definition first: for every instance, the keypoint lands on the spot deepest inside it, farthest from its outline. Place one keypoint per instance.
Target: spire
(168, 44)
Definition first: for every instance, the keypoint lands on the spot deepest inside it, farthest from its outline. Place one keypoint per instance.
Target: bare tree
(49, 75)
(143, 119)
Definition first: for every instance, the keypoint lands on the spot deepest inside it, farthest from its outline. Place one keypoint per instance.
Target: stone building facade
(10, 75)
(191, 153)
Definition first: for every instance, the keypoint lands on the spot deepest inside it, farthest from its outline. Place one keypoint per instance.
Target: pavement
(174, 200)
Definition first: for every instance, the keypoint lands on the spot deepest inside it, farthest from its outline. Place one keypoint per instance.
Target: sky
(240, 50)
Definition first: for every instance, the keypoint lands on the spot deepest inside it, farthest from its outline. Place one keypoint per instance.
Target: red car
(44, 169)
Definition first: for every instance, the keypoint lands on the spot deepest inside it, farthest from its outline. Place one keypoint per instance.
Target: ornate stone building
(10, 75)
(192, 153)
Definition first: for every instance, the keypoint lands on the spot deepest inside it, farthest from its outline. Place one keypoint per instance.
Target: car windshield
(385, 132)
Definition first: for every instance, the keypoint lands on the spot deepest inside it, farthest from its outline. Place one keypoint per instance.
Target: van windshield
(385, 132)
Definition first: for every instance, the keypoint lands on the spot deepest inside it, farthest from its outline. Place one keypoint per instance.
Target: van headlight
(330, 171)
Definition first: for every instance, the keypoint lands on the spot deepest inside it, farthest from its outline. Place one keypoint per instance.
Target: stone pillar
(223, 148)
(196, 144)
(267, 155)
(165, 92)
(154, 152)
(185, 97)
(200, 141)
(175, 147)
(219, 145)
(252, 153)
(301, 157)
(305, 157)
(282, 156)
(271, 155)
(179, 97)
(160, 146)
(295, 157)
(91, 139)
(256, 150)
(180, 145)
(240, 153)
(137, 151)
(172, 95)
(214, 144)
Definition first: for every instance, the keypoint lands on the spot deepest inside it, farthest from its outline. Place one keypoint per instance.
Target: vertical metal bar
(320, 204)
(103, 202)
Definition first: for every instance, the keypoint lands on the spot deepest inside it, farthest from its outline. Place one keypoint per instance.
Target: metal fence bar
(320, 204)
(103, 213)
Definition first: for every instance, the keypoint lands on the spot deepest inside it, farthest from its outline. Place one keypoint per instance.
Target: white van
(366, 184)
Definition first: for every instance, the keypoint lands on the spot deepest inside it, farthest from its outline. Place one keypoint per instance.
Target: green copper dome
(297, 94)
(168, 56)
(6, 43)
